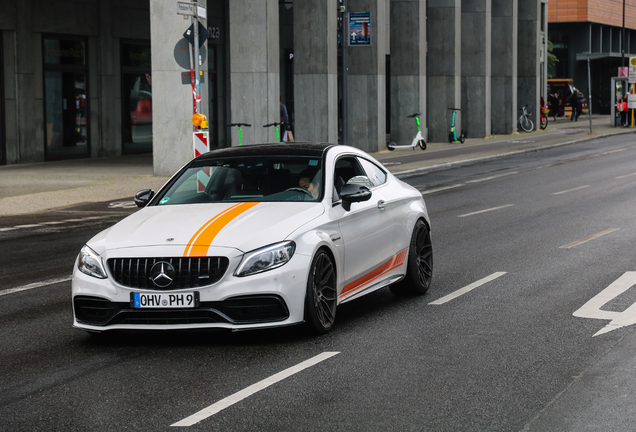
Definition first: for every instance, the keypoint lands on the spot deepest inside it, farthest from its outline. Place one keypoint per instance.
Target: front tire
(419, 270)
(390, 146)
(526, 124)
(422, 144)
(544, 122)
(322, 294)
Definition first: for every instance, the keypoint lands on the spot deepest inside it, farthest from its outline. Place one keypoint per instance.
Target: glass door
(65, 95)
(136, 82)
(3, 146)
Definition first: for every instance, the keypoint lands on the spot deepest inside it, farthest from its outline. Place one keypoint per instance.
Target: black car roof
(282, 149)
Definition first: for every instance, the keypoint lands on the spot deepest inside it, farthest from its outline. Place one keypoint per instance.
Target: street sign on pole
(197, 34)
(186, 8)
(632, 70)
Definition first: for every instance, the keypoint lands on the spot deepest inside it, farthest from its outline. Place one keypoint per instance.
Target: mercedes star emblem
(162, 274)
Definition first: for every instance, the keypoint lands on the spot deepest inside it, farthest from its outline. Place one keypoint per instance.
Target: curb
(441, 167)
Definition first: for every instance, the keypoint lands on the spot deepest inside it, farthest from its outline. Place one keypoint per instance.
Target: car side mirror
(351, 193)
(143, 197)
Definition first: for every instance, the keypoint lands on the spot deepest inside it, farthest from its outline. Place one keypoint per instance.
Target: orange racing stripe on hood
(200, 242)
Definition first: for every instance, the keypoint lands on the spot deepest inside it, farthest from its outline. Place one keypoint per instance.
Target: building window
(65, 98)
(137, 97)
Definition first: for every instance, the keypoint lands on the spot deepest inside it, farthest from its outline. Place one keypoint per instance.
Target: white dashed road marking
(587, 239)
(35, 285)
(468, 288)
(487, 210)
(43, 224)
(430, 191)
(625, 176)
(254, 388)
(571, 190)
(492, 177)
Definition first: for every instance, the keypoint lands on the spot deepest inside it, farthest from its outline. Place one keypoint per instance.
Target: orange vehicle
(563, 88)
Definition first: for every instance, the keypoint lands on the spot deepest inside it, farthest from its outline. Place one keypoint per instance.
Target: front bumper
(270, 299)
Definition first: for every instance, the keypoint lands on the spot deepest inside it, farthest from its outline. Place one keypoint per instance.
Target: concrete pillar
(367, 81)
(254, 68)
(106, 133)
(408, 68)
(172, 105)
(28, 87)
(10, 108)
(315, 70)
(504, 66)
(444, 67)
(528, 60)
(476, 67)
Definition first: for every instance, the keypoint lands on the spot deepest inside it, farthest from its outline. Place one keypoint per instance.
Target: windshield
(253, 178)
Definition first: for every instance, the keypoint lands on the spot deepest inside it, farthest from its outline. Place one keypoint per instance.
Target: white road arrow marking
(592, 309)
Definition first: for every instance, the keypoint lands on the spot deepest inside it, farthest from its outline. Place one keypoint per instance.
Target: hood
(196, 227)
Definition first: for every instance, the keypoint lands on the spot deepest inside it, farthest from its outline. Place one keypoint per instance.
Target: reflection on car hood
(196, 227)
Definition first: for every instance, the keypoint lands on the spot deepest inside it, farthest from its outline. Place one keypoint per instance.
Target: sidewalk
(32, 188)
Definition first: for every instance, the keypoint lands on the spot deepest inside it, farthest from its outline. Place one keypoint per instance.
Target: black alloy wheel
(322, 294)
(419, 271)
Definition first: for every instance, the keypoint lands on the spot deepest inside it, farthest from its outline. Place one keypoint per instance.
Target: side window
(346, 168)
(374, 172)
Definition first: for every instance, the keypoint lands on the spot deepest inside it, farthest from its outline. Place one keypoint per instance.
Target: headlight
(90, 262)
(266, 258)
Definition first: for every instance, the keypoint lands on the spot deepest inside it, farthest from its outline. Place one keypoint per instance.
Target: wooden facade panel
(608, 12)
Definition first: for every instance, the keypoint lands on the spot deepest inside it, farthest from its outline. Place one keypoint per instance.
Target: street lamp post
(623, 38)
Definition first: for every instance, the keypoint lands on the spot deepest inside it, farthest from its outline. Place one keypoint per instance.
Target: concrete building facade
(98, 78)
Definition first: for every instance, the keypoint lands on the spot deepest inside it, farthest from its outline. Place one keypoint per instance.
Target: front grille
(189, 272)
(237, 310)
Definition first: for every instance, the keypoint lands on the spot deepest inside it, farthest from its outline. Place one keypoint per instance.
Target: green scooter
(452, 135)
(240, 131)
(275, 124)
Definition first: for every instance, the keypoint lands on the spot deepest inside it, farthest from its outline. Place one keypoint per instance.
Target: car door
(366, 231)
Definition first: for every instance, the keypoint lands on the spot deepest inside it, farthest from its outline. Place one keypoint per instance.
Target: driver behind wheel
(310, 181)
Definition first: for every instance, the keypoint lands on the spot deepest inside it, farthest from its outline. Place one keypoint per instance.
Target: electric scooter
(275, 124)
(452, 135)
(240, 131)
(417, 141)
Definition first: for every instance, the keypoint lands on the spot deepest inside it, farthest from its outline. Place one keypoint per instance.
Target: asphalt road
(504, 340)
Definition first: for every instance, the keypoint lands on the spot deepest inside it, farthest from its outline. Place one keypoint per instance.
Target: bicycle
(240, 131)
(417, 141)
(275, 124)
(544, 117)
(452, 134)
(524, 121)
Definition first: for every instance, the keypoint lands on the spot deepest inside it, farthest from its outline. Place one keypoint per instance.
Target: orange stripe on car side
(202, 239)
(384, 268)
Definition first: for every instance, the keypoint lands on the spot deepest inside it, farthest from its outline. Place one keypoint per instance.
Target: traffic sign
(182, 55)
(632, 70)
(200, 143)
(203, 34)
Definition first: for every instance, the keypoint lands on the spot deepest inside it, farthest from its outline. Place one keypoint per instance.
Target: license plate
(165, 300)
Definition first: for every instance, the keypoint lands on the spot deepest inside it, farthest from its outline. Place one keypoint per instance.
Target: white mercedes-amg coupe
(255, 237)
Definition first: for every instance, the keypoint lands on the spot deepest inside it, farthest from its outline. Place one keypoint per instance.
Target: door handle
(381, 204)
